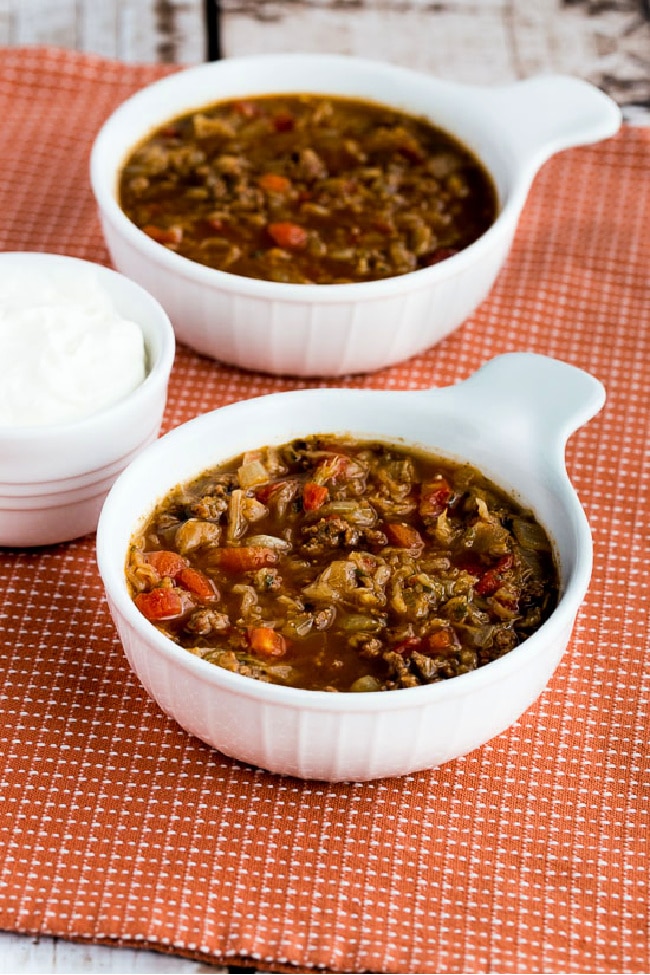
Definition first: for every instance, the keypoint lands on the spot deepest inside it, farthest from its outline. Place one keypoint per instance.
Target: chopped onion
(252, 473)
(269, 541)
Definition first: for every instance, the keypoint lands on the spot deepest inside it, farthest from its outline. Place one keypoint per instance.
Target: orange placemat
(531, 854)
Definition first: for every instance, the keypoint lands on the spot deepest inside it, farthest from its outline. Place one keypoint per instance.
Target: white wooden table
(488, 42)
(19, 953)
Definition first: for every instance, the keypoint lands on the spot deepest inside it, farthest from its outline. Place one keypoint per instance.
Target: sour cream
(65, 352)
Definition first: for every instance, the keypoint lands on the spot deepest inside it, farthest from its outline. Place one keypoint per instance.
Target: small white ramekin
(533, 403)
(54, 478)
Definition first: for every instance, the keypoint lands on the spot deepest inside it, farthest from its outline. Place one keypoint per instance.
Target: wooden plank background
(484, 41)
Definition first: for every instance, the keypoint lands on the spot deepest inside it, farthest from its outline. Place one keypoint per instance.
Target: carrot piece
(166, 563)
(159, 604)
(267, 642)
(314, 496)
(404, 536)
(243, 559)
(289, 235)
(274, 183)
(164, 235)
(197, 584)
(439, 640)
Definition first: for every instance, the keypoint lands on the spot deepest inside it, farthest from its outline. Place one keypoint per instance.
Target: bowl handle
(528, 402)
(548, 113)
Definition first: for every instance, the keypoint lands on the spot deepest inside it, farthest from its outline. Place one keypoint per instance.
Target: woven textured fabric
(531, 853)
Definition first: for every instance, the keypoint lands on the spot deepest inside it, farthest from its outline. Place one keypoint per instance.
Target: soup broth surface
(341, 565)
(307, 189)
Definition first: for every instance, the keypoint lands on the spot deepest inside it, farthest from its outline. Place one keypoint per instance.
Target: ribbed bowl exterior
(334, 744)
(54, 511)
(328, 337)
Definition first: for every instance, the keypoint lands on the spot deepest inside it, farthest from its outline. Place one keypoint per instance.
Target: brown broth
(307, 189)
(330, 564)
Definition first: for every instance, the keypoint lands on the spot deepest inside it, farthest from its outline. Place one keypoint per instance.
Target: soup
(307, 189)
(345, 566)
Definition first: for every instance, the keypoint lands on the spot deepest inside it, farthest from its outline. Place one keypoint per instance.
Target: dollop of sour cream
(65, 352)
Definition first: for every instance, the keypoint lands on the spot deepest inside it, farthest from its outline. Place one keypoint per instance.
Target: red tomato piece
(434, 497)
(243, 559)
(407, 646)
(314, 496)
(166, 563)
(197, 584)
(404, 536)
(288, 235)
(274, 183)
(160, 604)
(266, 641)
(264, 492)
(492, 580)
(283, 122)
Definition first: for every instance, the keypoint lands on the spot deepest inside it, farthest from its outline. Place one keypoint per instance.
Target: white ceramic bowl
(330, 330)
(511, 419)
(54, 478)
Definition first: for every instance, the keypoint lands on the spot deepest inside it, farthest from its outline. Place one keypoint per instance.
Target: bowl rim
(158, 371)
(111, 564)
(104, 186)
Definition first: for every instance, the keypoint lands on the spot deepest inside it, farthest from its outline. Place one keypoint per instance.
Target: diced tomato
(404, 536)
(407, 646)
(164, 235)
(492, 580)
(266, 641)
(160, 604)
(314, 495)
(434, 497)
(243, 559)
(166, 563)
(197, 584)
(264, 491)
(288, 235)
(274, 183)
(283, 122)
